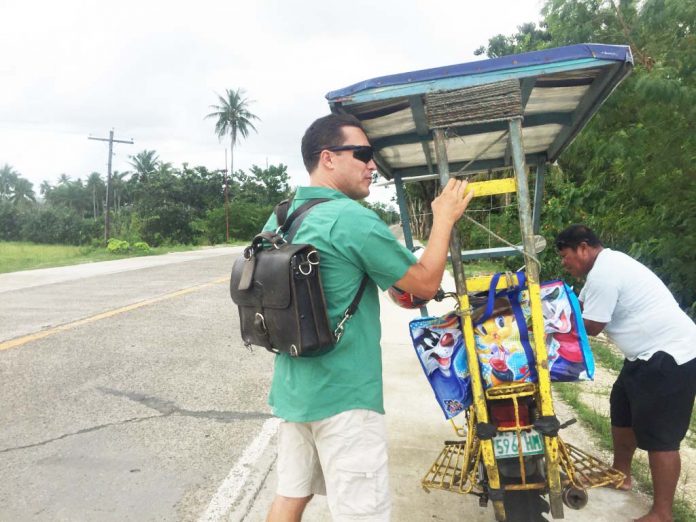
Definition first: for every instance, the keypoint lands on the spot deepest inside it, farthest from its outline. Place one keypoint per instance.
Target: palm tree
(23, 192)
(144, 163)
(96, 185)
(8, 178)
(45, 188)
(118, 184)
(233, 118)
(164, 169)
(64, 179)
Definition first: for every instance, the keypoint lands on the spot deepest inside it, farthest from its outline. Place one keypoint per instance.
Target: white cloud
(151, 70)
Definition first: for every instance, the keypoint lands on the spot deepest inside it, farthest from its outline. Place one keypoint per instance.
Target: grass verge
(606, 357)
(15, 256)
(601, 427)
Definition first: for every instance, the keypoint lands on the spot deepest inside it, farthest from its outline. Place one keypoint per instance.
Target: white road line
(232, 486)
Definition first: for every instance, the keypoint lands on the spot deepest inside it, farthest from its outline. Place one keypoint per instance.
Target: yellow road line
(19, 341)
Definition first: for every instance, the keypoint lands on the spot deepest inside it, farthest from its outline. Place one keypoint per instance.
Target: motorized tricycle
(488, 121)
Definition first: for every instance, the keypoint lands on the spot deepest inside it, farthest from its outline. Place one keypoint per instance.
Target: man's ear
(583, 249)
(326, 159)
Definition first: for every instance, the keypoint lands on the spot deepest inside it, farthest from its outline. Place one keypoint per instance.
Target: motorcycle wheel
(525, 506)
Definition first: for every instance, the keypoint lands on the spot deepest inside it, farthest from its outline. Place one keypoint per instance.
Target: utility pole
(111, 140)
(227, 204)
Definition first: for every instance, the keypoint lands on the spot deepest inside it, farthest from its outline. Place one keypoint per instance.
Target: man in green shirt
(333, 438)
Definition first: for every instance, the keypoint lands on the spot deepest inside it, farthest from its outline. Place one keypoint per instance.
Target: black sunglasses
(364, 153)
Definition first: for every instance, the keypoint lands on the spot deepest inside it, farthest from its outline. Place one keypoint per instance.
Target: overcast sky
(151, 69)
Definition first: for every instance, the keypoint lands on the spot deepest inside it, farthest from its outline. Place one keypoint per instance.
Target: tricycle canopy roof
(554, 91)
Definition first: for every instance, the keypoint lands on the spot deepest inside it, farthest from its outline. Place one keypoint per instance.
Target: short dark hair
(574, 235)
(324, 133)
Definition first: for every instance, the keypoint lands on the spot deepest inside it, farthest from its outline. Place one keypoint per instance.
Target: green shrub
(51, 225)
(10, 221)
(118, 246)
(141, 246)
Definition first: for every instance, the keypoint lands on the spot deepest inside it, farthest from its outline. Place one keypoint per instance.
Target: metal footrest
(585, 471)
(454, 469)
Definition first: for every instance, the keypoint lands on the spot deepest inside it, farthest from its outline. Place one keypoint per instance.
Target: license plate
(505, 444)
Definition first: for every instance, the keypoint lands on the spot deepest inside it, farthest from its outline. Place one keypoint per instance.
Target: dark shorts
(655, 398)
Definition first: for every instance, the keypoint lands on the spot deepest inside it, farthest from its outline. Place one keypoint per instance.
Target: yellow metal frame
(457, 467)
(492, 187)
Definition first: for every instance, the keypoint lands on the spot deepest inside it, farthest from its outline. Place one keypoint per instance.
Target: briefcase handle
(276, 240)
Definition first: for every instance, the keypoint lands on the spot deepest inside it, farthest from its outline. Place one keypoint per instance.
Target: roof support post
(523, 201)
(455, 248)
(538, 195)
(403, 210)
(405, 221)
(479, 406)
(542, 364)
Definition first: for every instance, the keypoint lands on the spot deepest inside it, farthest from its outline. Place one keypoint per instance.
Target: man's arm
(424, 277)
(593, 327)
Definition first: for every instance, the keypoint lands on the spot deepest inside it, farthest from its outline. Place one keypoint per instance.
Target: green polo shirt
(352, 241)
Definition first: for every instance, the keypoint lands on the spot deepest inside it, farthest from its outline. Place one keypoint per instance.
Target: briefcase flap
(271, 283)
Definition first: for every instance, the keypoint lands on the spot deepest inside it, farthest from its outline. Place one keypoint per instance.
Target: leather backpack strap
(352, 308)
(281, 211)
(291, 225)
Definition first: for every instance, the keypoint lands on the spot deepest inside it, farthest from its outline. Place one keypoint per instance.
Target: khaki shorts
(343, 457)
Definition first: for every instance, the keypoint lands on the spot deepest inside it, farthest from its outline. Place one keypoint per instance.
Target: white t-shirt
(641, 314)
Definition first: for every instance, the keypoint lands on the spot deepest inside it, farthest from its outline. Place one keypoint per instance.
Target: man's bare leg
(287, 509)
(624, 448)
(665, 467)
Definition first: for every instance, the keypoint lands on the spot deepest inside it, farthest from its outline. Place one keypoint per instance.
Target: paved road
(139, 405)
(127, 396)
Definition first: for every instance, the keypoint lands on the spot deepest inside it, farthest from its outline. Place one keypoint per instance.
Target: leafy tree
(10, 221)
(527, 38)
(418, 198)
(630, 174)
(71, 194)
(57, 225)
(204, 188)
(264, 186)
(8, 178)
(247, 219)
(386, 212)
(23, 192)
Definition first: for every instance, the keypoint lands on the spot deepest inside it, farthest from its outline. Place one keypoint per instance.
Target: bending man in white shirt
(653, 396)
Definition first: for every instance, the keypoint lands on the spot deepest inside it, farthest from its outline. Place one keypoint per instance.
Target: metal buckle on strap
(260, 321)
(510, 279)
(338, 332)
(311, 260)
(305, 266)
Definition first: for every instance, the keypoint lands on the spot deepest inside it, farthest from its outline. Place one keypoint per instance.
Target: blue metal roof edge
(619, 53)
